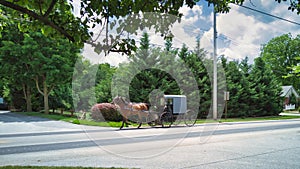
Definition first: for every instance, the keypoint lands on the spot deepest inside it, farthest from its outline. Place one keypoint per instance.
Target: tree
(15, 66)
(196, 61)
(266, 98)
(35, 60)
(238, 87)
(52, 62)
(281, 54)
(83, 84)
(153, 71)
(295, 73)
(153, 78)
(50, 17)
(245, 67)
(103, 83)
(56, 16)
(61, 97)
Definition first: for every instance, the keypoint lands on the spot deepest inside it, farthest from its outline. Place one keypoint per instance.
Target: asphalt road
(36, 141)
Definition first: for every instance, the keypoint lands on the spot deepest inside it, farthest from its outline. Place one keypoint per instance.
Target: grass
(51, 167)
(74, 119)
(259, 118)
(71, 119)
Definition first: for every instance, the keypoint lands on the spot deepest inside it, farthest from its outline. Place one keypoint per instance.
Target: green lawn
(44, 167)
(259, 118)
(73, 119)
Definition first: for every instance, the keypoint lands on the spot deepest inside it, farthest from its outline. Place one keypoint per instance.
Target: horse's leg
(140, 125)
(140, 119)
(122, 125)
(123, 121)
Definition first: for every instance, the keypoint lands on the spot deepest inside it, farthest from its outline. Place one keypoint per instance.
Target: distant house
(287, 93)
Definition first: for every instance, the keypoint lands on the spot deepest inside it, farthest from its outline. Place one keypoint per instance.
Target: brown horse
(130, 109)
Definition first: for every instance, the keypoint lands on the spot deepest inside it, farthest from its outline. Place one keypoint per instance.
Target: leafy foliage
(254, 89)
(267, 90)
(83, 85)
(55, 18)
(31, 59)
(239, 89)
(198, 64)
(103, 83)
(282, 55)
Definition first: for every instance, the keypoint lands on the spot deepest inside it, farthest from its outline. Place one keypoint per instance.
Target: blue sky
(241, 32)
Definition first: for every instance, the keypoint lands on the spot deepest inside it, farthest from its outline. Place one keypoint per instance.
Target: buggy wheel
(166, 119)
(177, 119)
(152, 119)
(190, 118)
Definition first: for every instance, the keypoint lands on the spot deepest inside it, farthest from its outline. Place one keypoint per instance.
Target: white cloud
(244, 33)
(184, 32)
(113, 59)
(266, 3)
(247, 33)
(192, 15)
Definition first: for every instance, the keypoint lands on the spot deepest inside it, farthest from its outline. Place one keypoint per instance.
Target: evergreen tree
(196, 61)
(168, 44)
(147, 73)
(103, 83)
(245, 67)
(238, 88)
(265, 99)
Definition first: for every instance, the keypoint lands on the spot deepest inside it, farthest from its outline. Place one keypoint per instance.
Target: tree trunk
(45, 92)
(28, 99)
(46, 100)
(27, 96)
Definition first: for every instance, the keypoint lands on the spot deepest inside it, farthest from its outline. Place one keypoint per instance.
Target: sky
(241, 32)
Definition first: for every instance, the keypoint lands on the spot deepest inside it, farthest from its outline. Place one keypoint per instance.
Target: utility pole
(215, 79)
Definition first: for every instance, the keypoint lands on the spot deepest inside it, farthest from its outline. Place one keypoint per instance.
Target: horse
(129, 109)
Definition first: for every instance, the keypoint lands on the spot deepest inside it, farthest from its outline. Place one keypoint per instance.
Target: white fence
(290, 107)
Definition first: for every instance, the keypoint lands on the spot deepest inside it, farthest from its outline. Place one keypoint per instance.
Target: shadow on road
(9, 117)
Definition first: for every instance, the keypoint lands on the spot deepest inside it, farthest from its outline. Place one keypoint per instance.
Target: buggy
(175, 110)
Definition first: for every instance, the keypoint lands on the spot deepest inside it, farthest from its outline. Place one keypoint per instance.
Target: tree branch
(125, 51)
(51, 88)
(51, 6)
(37, 85)
(34, 15)
(24, 91)
(40, 6)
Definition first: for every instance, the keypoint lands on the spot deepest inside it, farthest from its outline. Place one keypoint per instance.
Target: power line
(274, 16)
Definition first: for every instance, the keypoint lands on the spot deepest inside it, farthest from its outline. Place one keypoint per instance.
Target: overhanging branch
(51, 6)
(34, 15)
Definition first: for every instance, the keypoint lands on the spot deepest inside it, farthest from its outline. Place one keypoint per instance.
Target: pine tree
(237, 87)
(196, 61)
(265, 98)
(152, 78)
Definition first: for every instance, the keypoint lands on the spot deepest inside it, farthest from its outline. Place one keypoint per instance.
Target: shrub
(76, 121)
(105, 112)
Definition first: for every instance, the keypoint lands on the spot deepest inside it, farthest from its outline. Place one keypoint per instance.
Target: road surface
(36, 141)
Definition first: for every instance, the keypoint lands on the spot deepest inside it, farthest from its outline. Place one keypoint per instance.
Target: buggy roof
(174, 96)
